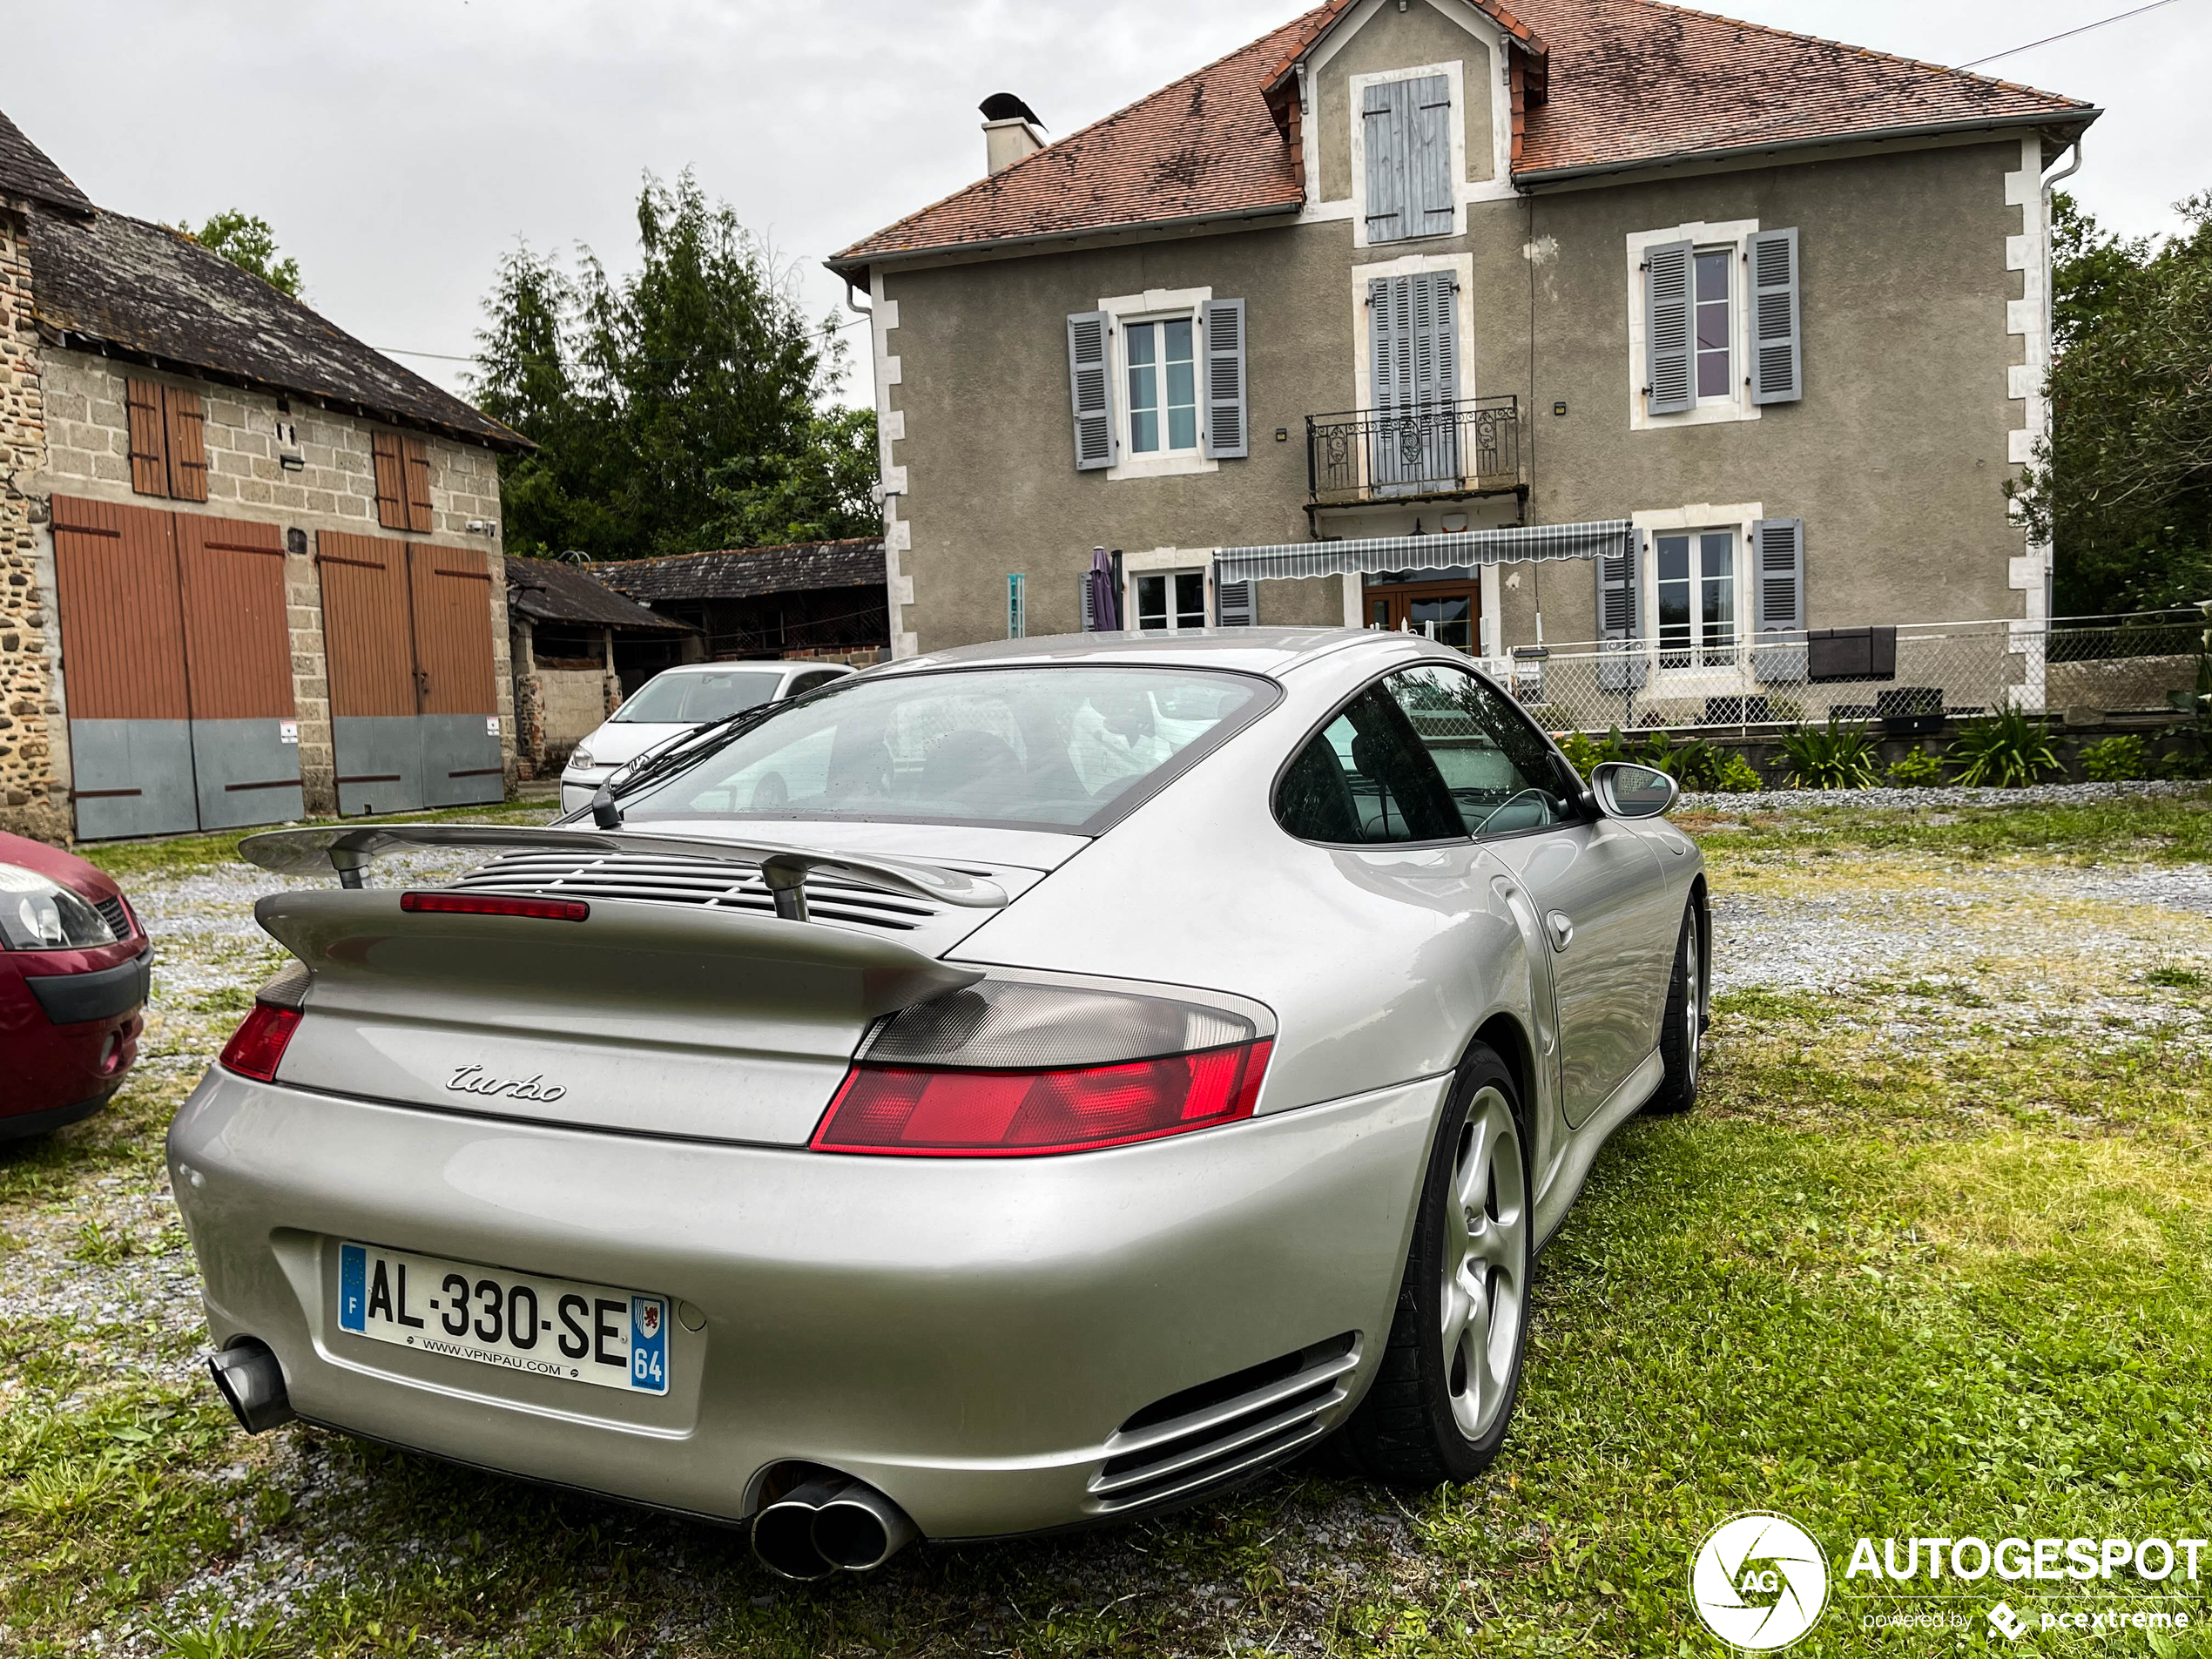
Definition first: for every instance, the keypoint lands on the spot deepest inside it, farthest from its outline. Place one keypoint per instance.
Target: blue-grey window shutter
(1091, 381)
(1389, 321)
(1778, 599)
(1428, 198)
(1666, 328)
(1621, 665)
(1232, 605)
(1382, 122)
(1777, 353)
(1223, 323)
(1436, 337)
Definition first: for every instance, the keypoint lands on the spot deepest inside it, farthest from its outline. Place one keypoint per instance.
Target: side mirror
(1625, 790)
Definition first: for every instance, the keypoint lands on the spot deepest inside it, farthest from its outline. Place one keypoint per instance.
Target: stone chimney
(1009, 131)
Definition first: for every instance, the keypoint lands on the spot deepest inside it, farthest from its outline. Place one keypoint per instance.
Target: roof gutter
(852, 267)
(1536, 179)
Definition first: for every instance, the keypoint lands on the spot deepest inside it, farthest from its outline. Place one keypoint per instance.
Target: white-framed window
(1697, 587)
(1172, 389)
(1713, 323)
(1160, 368)
(1170, 602)
(1713, 330)
(1687, 347)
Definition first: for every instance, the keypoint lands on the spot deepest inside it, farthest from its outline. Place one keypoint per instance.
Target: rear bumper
(968, 1335)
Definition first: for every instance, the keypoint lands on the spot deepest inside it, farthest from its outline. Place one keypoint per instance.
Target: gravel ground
(1961, 956)
(1772, 801)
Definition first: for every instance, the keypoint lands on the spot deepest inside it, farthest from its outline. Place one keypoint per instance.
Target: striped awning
(1371, 555)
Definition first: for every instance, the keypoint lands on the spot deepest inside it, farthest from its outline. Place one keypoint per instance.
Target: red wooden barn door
(368, 640)
(123, 670)
(238, 658)
(457, 688)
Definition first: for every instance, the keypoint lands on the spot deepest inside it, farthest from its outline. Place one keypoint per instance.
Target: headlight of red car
(39, 914)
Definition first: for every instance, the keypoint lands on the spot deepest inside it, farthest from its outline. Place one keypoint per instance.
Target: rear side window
(1365, 777)
(1497, 767)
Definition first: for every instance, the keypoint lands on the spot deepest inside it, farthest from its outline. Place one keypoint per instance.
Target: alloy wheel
(1486, 1263)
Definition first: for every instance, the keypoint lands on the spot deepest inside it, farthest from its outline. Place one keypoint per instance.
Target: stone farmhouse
(1565, 321)
(251, 565)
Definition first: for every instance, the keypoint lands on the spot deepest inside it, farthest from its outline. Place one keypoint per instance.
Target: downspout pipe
(2050, 351)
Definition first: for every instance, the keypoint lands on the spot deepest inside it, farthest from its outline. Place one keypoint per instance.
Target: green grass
(176, 855)
(2166, 829)
(1933, 1287)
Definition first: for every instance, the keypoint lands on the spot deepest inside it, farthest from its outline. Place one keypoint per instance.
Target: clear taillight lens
(256, 1049)
(1012, 1070)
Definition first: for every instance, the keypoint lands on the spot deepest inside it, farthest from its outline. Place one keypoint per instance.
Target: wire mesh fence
(1911, 678)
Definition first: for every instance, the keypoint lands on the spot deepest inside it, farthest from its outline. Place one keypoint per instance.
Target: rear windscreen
(1049, 747)
(693, 699)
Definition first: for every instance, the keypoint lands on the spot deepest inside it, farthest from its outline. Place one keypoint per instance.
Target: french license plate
(546, 1327)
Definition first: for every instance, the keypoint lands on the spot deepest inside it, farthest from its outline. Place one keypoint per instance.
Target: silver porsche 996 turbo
(1019, 1087)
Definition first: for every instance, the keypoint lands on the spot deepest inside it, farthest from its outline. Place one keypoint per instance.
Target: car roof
(799, 667)
(1255, 651)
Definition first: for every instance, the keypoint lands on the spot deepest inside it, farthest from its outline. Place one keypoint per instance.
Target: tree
(680, 407)
(247, 242)
(2123, 487)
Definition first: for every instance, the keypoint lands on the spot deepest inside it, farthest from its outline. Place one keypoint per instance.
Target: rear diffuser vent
(1205, 1436)
(653, 878)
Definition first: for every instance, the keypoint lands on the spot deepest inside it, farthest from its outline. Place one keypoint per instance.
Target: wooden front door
(1451, 612)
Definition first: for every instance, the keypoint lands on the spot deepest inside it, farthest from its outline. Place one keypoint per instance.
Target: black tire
(1685, 1021)
(1408, 1431)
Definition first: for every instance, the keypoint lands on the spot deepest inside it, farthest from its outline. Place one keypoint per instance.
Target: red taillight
(257, 1046)
(495, 904)
(1023, 1113)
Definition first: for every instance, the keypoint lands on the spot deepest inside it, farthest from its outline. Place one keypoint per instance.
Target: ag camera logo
(1759, 1582)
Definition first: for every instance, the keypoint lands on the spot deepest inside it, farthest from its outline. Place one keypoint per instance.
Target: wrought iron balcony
(1434, 452)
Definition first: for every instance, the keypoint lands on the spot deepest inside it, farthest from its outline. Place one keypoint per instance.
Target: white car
(674, 702)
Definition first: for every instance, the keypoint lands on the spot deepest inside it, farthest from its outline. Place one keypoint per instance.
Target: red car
(75, 966)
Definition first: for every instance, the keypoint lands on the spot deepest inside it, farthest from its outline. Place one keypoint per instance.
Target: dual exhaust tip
(830, 1524)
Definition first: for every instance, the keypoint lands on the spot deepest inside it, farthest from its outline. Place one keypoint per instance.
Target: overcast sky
(399, 147)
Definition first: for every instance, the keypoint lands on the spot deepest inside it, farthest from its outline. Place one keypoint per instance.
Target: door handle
(1562, 926)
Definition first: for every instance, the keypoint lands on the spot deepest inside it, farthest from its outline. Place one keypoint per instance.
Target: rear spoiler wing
(349, 852)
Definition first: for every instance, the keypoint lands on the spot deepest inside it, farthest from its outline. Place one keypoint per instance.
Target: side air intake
(1209, 1435)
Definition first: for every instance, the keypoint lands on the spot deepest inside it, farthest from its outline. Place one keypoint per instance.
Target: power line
(455, 357)
(2068, 34)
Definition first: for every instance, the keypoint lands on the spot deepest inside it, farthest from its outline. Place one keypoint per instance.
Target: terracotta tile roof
(1609, 83)
(1206, 145)
(741, 572)
(1634, 81)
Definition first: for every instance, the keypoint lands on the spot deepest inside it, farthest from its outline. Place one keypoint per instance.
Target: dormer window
(1405, 129)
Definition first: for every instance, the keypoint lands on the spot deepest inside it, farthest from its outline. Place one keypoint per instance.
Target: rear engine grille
(113, 914)
(1206, 1436)
(719, 884)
